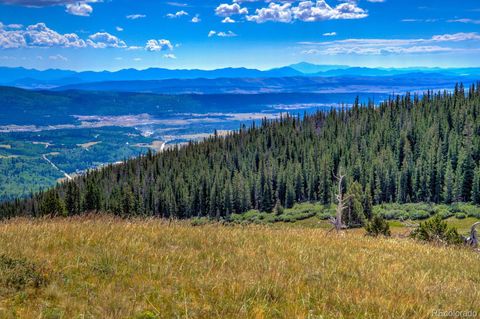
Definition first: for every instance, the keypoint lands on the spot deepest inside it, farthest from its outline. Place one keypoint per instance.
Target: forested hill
(409, 149)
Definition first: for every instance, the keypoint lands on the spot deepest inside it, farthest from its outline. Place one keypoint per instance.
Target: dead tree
(473, 239)
(342, 204)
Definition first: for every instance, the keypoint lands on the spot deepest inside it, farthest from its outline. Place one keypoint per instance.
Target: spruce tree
(476, 187)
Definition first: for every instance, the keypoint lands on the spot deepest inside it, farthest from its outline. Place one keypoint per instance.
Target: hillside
(115, 268)
(409, 149)
(35, 124)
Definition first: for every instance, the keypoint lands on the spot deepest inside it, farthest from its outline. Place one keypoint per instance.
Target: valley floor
(112, 268)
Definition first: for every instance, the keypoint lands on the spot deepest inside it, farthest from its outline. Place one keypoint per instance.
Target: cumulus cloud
(228, 20)
(102, 40)
(135, 16)
(307, 11)
(119, 29)
(79, 9)
(330, 34)
(196, 19)
(169, 56)
(158, 45)
(226, 10)
(39, 35)
(274, 12)
(221, 34)
(177, 14)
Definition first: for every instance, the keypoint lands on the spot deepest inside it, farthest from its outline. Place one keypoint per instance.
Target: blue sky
(207, 34)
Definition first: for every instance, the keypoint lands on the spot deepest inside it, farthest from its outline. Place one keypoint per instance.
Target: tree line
(410, 148)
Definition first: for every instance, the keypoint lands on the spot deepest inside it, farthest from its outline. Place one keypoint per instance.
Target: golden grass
(111, 268)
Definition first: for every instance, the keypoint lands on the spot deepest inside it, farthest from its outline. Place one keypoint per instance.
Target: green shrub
(444, 213)
(19, 274)
(199, 221)
(420, 214)
(146, 315)
(460, 216)
(278, 209)
(436, 230)
(52, 313)
(377, 226)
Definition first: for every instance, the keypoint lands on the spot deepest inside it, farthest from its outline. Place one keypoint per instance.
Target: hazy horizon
(413, 67)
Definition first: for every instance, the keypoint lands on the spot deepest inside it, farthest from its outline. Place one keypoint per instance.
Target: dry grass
(110, 268)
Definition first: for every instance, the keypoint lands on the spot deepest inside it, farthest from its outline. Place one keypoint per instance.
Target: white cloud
(177, 4)
(42, 3)
(177, 14)
(465, 20)
(420, 20)
(221, 34)
(134, 47)
(376, 1)
(196, 19)
(307, 11)
(13, 26)
(158, 45)
(79, 9)
(228, 20)
(274, 12)
(226, 10)
(119, 29)
(135, 16)
(457, 37)
(75, 7)
(330, 34)
(169, 56)
(58, 57)
(102, 40)
(40, 36)
(320, 11)
(435, 44)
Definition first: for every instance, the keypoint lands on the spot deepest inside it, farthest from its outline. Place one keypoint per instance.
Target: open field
(112, 268)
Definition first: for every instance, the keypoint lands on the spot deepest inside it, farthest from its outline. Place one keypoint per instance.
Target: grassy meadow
(102, 267)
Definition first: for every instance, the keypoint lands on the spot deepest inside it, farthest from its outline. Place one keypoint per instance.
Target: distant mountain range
(392, 84)
(54, 78)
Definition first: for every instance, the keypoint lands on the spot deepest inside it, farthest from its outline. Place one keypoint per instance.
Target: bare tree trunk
(337, 220)
(473, 239)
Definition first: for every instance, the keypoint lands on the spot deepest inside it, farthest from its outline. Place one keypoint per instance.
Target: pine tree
(92, 201)
(367, 202)
(354, 214)
(290, 194)
(127, 201)
(51, 204)
(72, 199)
(476, 187)
(448, 188)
